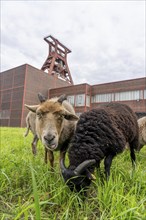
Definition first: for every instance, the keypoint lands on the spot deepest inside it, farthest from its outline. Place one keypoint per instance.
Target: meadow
(29, 190)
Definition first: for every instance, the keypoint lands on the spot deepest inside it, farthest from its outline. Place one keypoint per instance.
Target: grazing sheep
(100, 134)
(30, 124)
(142, 132)
(55, 125)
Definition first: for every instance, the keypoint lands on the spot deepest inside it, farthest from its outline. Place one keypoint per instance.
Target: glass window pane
(80, 100)
(129, 95)
(88, 100)
(71, 99)
(103, 98)
(145, 94)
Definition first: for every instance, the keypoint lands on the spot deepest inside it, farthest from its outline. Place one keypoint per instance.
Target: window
(129, 95)
(103, 97)
(119, 96)
(80, 100)
(88, 101)
(145, 94)
(71, 100)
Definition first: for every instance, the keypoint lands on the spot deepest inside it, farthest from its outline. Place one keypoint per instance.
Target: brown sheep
(30, 125)
(55, 125)
(142, 132)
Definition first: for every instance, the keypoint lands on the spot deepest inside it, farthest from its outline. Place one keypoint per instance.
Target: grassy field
(30, 191)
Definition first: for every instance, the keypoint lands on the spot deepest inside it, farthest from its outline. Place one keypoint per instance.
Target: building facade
(21, 85)
(84, 96)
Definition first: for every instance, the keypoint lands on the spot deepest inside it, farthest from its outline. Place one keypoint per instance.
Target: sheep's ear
(69, 116)
(62, 98)
(41, 98)
(32, 108)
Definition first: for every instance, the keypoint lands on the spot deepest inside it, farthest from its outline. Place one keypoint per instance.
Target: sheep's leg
(27, 126)
(133, 158)
(133, 145)
(27, 131)
(51, 158)
(46, 155)
(49, 154)
(107, 164)
(34, 144)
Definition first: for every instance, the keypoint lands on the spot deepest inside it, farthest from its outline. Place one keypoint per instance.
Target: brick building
(21, 85)
(84, 96)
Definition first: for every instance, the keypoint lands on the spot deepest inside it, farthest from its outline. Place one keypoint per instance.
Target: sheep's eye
(39, 115)
(58, 116)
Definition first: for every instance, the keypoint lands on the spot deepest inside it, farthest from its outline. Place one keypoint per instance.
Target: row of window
(79, 100)
(120, 96)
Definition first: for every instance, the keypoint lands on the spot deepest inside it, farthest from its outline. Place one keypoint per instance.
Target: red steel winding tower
(56, 62)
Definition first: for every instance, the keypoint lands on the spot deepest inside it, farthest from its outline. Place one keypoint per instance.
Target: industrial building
(21, 85)
(85, 97)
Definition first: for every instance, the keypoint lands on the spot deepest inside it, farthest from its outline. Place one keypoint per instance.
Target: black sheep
(100, 134)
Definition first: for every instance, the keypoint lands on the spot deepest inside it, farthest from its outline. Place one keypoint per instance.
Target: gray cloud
(107, 38)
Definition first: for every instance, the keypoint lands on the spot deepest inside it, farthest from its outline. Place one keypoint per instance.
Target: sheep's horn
(62, 98)
(41, 98)
(62, 165)
(81, 167)
(66, 173)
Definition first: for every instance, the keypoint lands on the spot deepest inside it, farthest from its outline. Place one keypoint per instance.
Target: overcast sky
(107, 38)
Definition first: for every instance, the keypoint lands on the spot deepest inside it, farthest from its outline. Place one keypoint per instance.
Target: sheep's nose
(49, 138)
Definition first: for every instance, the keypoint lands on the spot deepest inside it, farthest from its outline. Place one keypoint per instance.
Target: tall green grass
(29, 190)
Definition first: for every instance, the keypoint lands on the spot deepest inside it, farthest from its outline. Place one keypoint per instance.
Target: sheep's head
(79, 178)
(50, 116)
